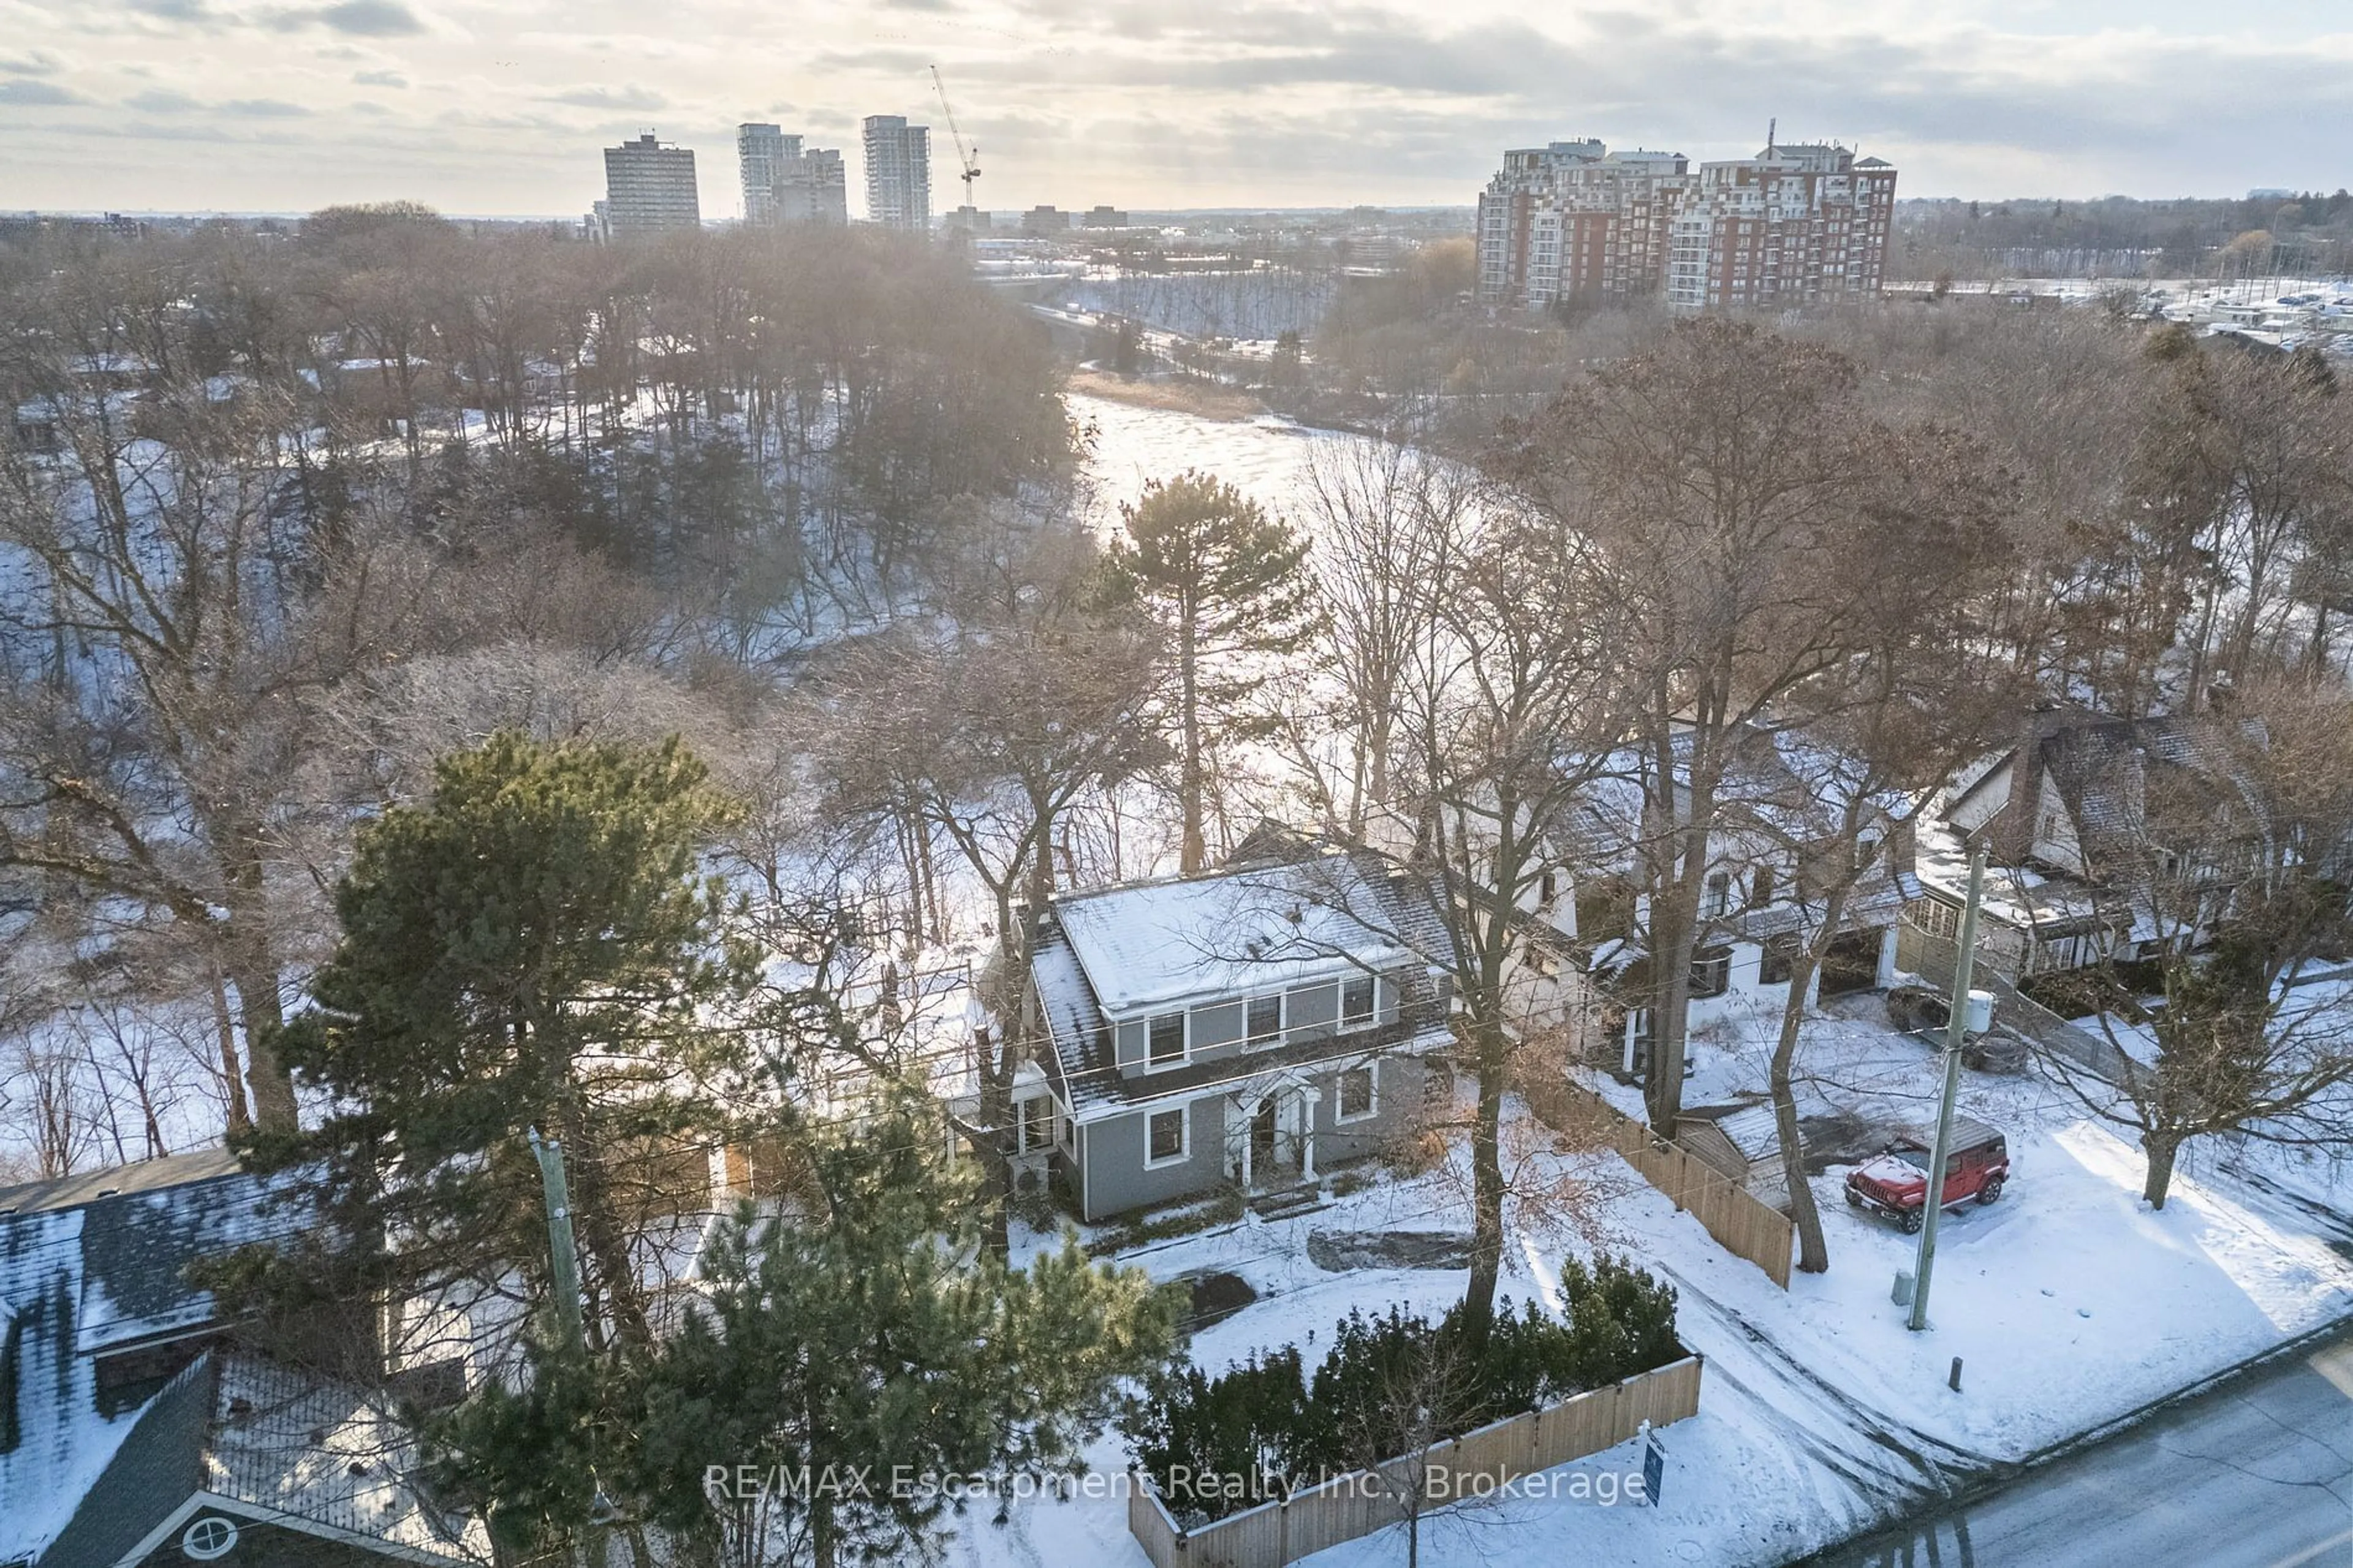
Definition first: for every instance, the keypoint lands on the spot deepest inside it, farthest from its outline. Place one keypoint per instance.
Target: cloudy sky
(286, 105)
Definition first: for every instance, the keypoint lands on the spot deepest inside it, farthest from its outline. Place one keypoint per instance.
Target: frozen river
(1263, 458)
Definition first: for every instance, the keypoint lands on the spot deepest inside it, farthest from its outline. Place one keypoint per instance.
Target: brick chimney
(2010, 834)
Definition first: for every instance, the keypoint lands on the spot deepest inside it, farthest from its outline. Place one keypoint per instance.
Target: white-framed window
(1711, 972)
(1935, 917)
(1265, 1026)
(1167, 1137)
(1719, 894)
(1036, 1119)
(209, 1538)
(1359, 997)
(1165, 1045)
(1359, 1097)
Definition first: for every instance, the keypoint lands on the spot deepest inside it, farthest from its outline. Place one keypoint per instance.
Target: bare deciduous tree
(1514, 700)
(1726, 480)
(2238, 861)
(988, 734)
(1386, 518)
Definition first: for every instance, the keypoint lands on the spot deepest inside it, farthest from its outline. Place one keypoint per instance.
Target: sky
(500, 108)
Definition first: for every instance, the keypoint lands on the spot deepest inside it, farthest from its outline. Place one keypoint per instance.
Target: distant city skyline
(287, 105)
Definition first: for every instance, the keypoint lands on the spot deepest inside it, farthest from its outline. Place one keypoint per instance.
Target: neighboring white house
(1777, 815)
(2067, 813)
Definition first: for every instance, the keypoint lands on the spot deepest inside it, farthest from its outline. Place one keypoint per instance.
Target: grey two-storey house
(1256, 1025)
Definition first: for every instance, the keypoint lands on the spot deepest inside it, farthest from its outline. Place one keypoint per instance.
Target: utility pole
(563, 1255)
(1956, 1030)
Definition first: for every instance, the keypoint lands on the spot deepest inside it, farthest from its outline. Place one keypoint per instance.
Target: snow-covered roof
(2017, 896)
(91, 1264)
(1751, 1129)
(111, 364)
(1392, 912)
(2109, 776)
(269, 1444)
(1784, 776)
(136, 1248)
(326, 1458)
(1258, 927)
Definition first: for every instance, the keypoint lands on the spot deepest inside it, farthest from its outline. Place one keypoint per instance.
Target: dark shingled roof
(94, 1265)
(271, 1444)
(2104, 772)
(328, 1459)
(89, 1187)
(160, 1465)
(137, 1245)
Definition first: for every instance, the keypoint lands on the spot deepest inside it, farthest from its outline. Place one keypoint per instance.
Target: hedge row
(1389, 1386)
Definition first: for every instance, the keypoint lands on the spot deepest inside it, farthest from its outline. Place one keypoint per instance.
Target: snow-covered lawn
(2069, 1301)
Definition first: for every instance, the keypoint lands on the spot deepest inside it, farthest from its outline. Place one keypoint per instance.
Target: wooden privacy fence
(1741, 1224)
(1477, 1464)
(1933, 958)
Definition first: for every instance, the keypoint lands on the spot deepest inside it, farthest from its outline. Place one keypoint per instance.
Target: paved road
(2258, 1474)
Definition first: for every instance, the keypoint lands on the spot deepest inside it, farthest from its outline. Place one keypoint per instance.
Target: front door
(1261, 1136)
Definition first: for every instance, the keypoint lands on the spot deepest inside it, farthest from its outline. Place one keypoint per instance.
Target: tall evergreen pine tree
(854, 1367)
(532, 949)
(1225, 578)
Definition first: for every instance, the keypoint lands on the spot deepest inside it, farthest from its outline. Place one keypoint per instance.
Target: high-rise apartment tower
(1793, 225)
(898, 172)
(649, 187)
(761, 152)
(784, 184)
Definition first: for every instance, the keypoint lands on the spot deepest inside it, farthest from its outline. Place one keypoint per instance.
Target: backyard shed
(1742, 1143)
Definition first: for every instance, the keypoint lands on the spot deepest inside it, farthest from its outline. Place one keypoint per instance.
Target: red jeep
(1896, 1183)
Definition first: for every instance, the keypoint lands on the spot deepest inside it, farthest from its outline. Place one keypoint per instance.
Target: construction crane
(969, 156)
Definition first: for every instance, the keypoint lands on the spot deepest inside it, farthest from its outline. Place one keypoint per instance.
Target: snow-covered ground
(2069, 1303)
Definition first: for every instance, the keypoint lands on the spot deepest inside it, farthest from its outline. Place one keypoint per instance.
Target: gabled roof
(2103, 773)
(2104, 770)
(1258, 925)
(328, 1459)
(158, 1467)
(89, 1187)
(94, 1264)
(255, 1440)
(1780, 779)
(136, 1247)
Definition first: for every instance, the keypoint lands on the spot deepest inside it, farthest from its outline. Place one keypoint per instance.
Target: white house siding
(1749, 1004)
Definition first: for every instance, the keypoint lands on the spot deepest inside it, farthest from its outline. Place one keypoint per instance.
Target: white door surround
(1294, 1101)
